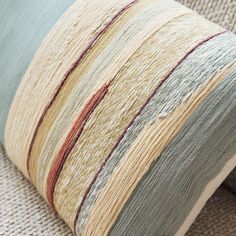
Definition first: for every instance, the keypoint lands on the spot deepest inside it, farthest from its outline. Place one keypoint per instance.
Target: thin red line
(132, 121)
(70, 141)
(58, 89)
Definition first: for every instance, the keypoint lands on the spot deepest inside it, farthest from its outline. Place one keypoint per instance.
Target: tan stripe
(137, 161)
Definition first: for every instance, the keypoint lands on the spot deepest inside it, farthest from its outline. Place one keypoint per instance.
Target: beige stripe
(127, 93)
(147, 147)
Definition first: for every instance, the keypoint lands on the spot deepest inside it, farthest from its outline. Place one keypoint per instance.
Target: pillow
(125, 118)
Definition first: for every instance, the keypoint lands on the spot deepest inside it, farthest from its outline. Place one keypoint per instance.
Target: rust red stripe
(132, 121)
(73, 66)
(70, 141)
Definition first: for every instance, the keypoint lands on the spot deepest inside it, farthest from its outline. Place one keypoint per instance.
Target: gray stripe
(23, 26)
(168, 192)
(194, 71)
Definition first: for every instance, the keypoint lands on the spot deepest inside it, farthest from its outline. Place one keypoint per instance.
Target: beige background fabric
(222, 12)
(24, 212)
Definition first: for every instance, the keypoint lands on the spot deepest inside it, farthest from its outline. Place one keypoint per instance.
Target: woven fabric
(44, 218)
(218, 217)
(222, 12)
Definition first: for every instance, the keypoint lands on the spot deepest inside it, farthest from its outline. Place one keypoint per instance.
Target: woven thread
(106, 114)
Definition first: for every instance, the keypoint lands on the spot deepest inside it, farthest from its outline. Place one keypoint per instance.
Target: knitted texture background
(222, 12)
(22, 209)
(218, 217)
(24, 212)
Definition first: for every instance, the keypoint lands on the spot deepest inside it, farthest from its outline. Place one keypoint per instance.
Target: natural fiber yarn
(125, 118)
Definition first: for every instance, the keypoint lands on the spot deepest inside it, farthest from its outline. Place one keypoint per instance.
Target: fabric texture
(222, 12)
(68, 212)
(22, 210)
(218, 217)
